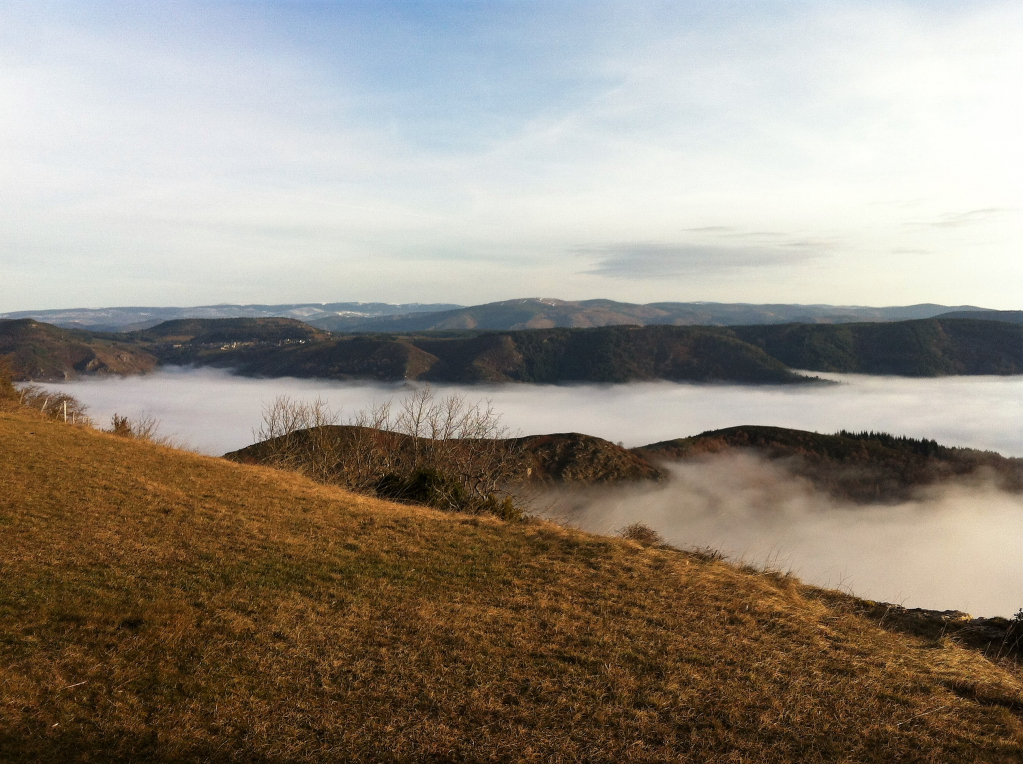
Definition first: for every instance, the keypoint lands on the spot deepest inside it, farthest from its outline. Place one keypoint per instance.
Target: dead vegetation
(65, 408)
(166, 607)
(58, 406)
(641, 534)
(443, 452)
(143, 427)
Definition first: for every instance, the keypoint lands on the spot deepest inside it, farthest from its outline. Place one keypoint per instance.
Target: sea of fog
(214, 411)
(954, 547)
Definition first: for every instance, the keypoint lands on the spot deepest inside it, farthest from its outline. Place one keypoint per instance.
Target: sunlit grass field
(157, 605)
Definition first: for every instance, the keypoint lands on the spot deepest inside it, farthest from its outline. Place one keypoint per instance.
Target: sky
(179, 153)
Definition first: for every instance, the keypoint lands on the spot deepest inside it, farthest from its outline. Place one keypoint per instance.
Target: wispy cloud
(963, 219)
(648, 260)
(193, 152)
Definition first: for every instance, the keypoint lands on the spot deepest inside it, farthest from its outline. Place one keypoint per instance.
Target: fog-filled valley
(955, 546)
(952, 547)
(214, 412)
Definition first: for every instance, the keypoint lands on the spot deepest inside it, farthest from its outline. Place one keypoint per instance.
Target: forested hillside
(927, 348)
(274, 347)
(42, 352)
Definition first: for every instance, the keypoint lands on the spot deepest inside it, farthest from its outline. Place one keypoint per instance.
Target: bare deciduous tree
(444, 451)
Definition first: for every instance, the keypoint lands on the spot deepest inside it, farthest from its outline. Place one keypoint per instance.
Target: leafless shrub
(446, 452)
(120, 426)
(291, 433)
(144, 427)
(54, 405)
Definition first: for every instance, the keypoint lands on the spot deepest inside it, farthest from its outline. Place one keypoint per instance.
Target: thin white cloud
(649, 260)
(246, 152)
(967, 218)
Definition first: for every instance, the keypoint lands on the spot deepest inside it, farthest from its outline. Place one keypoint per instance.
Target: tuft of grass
(641, 534)
(166, 607)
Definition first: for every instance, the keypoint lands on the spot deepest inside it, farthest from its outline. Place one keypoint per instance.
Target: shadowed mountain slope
(43, 352)
(927, 348)
(609, 354)
(616, 354)
(168, 607)
(860, 467)
(216, 331)
(284, 347)
(274, 347)
(575, 458)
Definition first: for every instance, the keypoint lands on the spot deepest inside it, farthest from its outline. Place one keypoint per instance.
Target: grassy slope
(162, 606)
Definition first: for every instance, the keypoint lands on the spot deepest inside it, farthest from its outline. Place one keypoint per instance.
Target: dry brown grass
(161, 606)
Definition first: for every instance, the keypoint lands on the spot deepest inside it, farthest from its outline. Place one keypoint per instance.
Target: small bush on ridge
(641, 534)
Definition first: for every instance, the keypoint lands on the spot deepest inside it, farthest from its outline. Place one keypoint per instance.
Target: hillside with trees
(927, 348)
(762, 354)
(45, 353)
(865, 467)
(546, 356)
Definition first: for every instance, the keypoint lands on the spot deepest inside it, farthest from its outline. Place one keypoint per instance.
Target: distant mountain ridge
(758, 354)
(549, 313)
(1008, 316)
(136, 318)
(927, 348)
(526, 313)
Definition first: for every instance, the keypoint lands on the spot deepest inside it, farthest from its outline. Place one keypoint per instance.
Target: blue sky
(186, 153)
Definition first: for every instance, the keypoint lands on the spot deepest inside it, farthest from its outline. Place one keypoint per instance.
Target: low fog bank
(953, 548)
(956, 546)
(216, 412)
